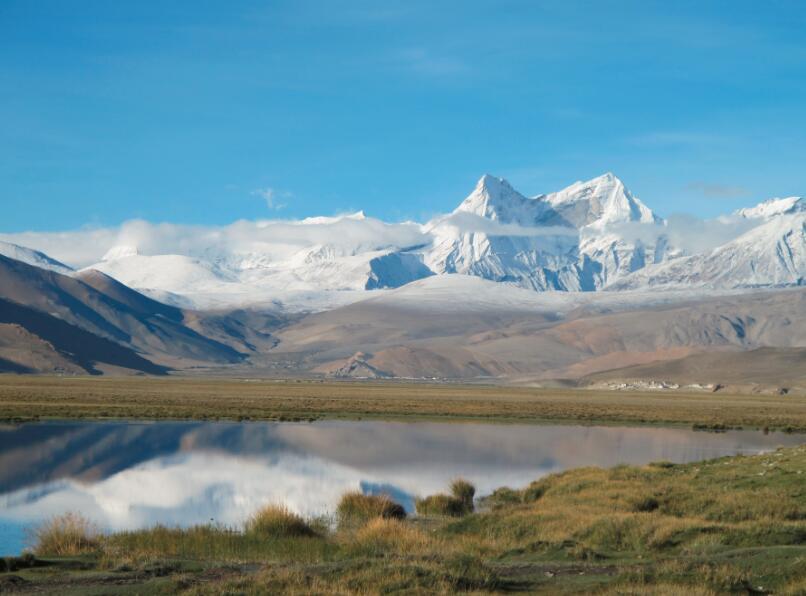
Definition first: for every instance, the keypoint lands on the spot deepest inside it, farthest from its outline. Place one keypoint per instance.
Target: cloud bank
(463, 222)
(276, 239)
(687, 233)
(280, 240)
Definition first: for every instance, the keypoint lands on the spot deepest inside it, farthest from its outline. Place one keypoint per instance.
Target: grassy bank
(32, 398)
(731, 525)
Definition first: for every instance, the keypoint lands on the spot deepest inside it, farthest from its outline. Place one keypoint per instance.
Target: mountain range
(590, 236)
(564, 285)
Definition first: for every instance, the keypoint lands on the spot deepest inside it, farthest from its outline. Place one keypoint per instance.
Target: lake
(136, 474)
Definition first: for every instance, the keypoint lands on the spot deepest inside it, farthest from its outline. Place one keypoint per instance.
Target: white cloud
(686, 232)
(464, 222)
(272, 197)
(277, 239)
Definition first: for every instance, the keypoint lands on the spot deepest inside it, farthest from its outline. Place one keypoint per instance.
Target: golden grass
(384, 536)
(208, 543)
(440, 505)
(26, 397)
(69, 534)
(458, 503)
(277, 521)
(355, 506)
(721, 502)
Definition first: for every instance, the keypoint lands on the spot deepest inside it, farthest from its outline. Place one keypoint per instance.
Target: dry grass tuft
(440, 505)
(277, 521)
(357, 507)
(69, 534)
(464, 491)
(457, 504)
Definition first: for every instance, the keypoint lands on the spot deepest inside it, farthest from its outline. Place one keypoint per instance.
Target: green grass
(729, 525)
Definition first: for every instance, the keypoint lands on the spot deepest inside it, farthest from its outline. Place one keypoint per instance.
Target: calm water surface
(131, 475)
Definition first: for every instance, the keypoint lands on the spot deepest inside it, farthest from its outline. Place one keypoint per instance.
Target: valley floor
(730, 525)
(25, 398)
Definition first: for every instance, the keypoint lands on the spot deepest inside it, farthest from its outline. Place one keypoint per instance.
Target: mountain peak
(608, 177)
(773, 207)
(33, 257)
(491, 197)
(492, 184)
(600, 201)
(120, 252)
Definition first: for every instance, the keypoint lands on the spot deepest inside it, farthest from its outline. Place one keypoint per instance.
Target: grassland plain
(729, 525)
(24, 398)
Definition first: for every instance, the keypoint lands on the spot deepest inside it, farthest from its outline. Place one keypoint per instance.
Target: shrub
(464, 491)
(440, 505)
(69, 534)
(358, 507)
(277, 521)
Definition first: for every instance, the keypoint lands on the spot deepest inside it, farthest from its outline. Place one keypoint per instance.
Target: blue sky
(188, 111)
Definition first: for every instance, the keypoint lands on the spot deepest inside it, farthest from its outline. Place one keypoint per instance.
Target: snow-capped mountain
(33, 257)
(498, 234)
(772, 254)
(568, 240)
(598, 203)
(589, 236)
(292, 278)
(773, 207)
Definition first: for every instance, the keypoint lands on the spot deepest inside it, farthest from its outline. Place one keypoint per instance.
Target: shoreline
(627, 529)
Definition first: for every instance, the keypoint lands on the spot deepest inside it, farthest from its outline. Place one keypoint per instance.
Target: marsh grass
(69, 534)
(277, 521)
(464, 491)
(440, 505)
(209, 543)
(357, 508)
(458, 503)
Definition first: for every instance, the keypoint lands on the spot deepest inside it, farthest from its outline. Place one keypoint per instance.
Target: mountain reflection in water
(130, 475)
